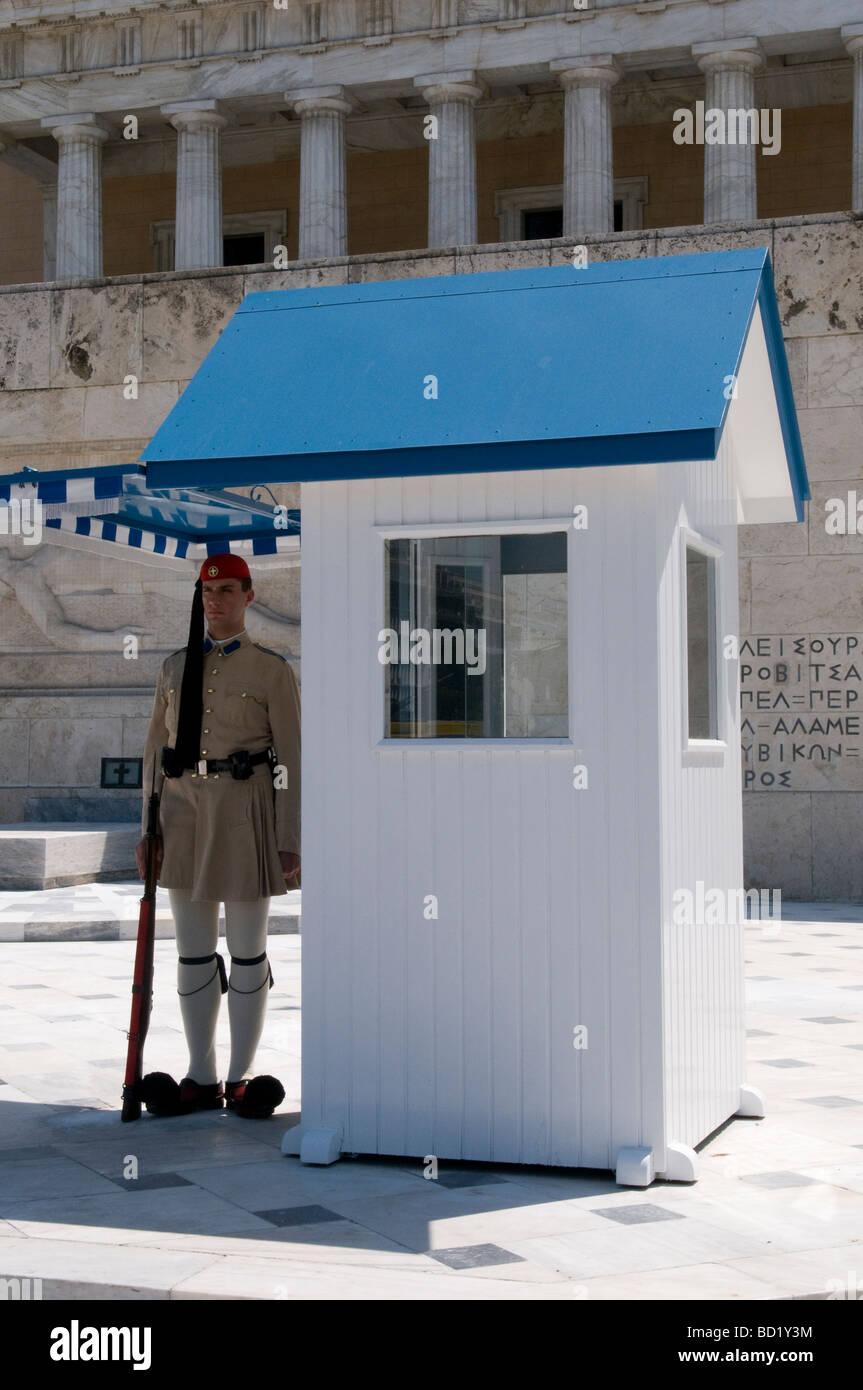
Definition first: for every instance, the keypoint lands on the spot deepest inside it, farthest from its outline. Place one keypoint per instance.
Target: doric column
(323, 170)
(853, 36)
(79, 194)
(730, 186)
(198, 230)
(452, 99)
(588, 167)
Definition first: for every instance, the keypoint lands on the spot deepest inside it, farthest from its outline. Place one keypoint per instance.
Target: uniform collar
(233, 644)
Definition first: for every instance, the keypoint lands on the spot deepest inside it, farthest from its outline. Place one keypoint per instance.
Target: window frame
(703, 752)
(456, 530)
(510, 203)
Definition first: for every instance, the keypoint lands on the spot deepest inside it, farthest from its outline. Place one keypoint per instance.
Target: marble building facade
(159, 161)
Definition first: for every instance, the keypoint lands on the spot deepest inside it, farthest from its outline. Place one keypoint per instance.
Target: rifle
(142, 984)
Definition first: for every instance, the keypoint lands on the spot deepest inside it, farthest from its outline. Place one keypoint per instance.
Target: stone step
(57, 854)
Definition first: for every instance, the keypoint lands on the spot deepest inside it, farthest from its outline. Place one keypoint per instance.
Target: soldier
(230, 832)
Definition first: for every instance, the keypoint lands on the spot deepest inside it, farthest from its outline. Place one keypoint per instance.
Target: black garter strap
(205, 960)
(251, 960)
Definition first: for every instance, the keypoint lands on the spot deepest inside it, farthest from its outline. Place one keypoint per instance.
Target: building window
(525, 214)
(537, 223)
(474, 642)
(128, 44)
(244, 249)
(248, 238)
(253, 29)
(701, 657)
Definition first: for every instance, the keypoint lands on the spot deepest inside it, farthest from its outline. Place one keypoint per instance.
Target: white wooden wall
(454, 1037)
(701, 823)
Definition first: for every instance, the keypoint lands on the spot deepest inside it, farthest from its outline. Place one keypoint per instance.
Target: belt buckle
(202, 767)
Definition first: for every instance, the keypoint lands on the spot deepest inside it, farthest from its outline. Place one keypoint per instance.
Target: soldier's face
(225, 605)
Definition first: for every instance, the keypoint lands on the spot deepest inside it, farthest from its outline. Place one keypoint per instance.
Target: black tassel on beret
(188, 746)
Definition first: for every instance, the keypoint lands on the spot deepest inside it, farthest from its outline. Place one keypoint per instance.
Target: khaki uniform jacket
(221, 837)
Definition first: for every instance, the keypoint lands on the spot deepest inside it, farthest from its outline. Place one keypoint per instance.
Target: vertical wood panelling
(357, 651)
(396, 899)
(563, 889)
(334, 696)
(624, 596)
(454, 1036)
(701, 829)
(314, 780)
(590, 622)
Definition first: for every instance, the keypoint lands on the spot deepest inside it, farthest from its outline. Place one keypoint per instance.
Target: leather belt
(205, 767)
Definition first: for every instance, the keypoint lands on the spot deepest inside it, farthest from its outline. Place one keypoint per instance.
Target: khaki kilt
(219, 837)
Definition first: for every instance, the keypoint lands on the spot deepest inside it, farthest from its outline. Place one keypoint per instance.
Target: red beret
(224, 567)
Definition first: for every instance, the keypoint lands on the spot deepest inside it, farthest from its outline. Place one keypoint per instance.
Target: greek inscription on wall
(801, 706)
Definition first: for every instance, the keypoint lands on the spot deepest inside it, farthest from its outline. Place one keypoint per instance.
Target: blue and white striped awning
(67, 494)
(111, 508)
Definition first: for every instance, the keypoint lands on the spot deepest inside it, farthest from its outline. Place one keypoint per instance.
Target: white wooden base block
(634, 1167)
(681, 1164)
(323, 1144)
(751, 1103)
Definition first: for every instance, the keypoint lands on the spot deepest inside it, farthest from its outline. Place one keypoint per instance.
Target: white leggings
(199, 986)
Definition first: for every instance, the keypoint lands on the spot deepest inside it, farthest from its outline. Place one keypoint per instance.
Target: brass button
(206, 731)
(171, 691)
(215, 776)
(244, 694)
(203, 752)
(211, 690)
(208, 710)
(215, 671)
(205, 777)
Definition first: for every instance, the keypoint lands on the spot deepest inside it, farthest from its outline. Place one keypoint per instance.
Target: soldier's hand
(290, 864)
(141, 856)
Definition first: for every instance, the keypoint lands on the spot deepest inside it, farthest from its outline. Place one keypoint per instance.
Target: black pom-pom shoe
(163, 1096)
(255, 1099)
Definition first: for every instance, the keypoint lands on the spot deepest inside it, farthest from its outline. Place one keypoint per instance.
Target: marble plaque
(801, 703)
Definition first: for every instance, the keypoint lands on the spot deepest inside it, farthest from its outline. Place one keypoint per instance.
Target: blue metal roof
(617, 362)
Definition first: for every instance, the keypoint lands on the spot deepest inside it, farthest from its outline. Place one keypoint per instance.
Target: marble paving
(106, 912)
(207, 1207)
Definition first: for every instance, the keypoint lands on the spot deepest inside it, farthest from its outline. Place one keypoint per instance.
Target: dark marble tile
(452, 1178)
(310, 1215)
(783, 1062)
(22, 1155)
(474, 1256)
(638, 1215)
(779, 1179)
(150, 1181)
(830, 1101)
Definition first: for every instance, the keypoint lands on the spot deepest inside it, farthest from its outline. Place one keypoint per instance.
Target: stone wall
(64, 350)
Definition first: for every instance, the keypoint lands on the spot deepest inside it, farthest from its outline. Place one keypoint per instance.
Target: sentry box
(522, 849)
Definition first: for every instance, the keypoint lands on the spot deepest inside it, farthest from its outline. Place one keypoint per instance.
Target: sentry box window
(701, 638)
(474, 643)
